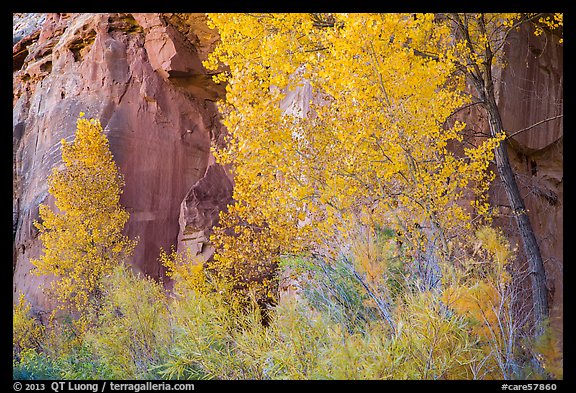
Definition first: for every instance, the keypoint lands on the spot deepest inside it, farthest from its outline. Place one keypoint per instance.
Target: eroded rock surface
(199, 211)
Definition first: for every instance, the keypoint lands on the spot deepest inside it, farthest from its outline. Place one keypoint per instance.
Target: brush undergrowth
(333, 328)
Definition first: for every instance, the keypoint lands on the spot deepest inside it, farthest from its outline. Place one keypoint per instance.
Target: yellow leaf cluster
(27, 332)
(185, 269)
(552, 22)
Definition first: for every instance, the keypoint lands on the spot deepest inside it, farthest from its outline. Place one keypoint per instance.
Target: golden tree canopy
(83, 238)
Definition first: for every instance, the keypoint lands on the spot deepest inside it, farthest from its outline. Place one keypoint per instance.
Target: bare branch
(533, 125)
(466, 107)
(318, 49)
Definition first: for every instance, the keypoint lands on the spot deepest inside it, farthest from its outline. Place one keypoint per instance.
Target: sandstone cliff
(141, 75)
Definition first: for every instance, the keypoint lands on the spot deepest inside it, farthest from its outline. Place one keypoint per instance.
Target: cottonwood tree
(373, 140)
(83, 237)
(480, 39)
(371, 146)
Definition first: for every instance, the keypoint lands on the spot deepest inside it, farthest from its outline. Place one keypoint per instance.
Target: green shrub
(215, 339)
(132, 335)
(60, 356)
(333, 329)
(32, 364)
(332, 289)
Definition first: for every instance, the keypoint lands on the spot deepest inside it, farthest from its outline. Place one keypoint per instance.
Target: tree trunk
(531, 248)
(481, 77)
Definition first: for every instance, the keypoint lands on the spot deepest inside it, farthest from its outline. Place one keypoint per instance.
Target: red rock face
(144, 80)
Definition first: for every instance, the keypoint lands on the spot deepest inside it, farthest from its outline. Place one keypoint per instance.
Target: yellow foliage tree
(372, 142)
(83, 238)
(480, 39)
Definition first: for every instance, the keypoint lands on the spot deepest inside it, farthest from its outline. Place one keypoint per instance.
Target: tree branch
(524, 19)
(463, 108)
(533, 125)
